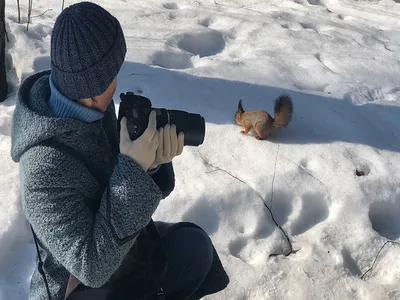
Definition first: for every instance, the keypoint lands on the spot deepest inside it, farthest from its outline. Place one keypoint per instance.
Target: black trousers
(190, 254)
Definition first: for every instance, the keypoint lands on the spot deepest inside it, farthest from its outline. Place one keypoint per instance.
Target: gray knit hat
(87, 50)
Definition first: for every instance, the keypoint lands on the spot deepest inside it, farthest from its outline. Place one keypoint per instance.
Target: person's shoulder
(45, 152)
(45, 163)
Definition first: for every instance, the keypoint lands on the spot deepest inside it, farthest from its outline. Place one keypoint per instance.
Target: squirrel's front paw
(243, 131)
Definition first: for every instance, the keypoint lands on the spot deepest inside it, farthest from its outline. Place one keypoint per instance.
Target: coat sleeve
(56, 190)
(164, 177)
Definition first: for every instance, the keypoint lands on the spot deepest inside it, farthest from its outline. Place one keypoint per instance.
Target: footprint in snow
(204, 43)
(349, 263)
(361, 96)
(172, 16)
(280, 15)
(204, 214)
(171, 60)
(249, 246)
(171, 5)
(384, 217)
(206, 22)
(281, 207)
(315, 2)
(308, 26)
(236, 246)
(314, 210)
(246, 246)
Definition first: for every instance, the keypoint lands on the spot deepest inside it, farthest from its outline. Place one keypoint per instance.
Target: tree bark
(3, 80)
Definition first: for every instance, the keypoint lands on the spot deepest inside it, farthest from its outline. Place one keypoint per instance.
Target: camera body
(137, 109)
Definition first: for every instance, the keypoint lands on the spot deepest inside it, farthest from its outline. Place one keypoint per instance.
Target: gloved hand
(169, 145)
(143, 149)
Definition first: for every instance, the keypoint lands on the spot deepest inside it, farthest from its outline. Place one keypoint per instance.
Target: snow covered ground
(340, 62)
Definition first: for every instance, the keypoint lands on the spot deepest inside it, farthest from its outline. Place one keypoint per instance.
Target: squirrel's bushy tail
(239, 113)
(283, 111)
(240, 107)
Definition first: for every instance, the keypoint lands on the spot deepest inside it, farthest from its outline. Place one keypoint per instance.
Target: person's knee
(202, 242)
(193, 247)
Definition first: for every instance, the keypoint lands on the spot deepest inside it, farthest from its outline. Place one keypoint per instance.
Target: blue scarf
(63, 107)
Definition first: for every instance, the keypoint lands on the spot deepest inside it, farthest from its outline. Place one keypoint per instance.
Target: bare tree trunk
(3, 80)
(19, 12)
(29, 13)
(62, 8)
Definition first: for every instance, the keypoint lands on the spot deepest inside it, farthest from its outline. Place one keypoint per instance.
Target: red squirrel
(262, 122)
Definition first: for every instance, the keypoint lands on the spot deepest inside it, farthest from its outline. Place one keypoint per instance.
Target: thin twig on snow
(291, 251)
(272, 215)
(376, 257)
(273, 178)
(222, 170)
(42, 13)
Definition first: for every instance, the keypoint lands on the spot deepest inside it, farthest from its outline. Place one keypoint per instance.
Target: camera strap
(40, 264)
(157, 256)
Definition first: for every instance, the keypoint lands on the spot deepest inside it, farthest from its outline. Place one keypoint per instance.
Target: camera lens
(194, 135)
(192, 125)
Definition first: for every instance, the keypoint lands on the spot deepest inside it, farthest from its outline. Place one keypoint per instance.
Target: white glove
(143, 149)
(169, 145)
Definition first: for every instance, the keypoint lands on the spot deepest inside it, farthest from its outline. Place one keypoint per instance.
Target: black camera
(137, 110)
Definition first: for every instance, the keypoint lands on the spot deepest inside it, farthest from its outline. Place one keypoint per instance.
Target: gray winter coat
(59, 192)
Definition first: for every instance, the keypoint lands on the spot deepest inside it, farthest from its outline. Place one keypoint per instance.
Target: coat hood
(33, 122)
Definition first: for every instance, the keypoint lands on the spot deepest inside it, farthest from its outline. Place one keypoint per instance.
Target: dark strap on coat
(157, 259)
(40, 265)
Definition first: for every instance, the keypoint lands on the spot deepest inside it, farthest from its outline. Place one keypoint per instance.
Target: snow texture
(338, 60)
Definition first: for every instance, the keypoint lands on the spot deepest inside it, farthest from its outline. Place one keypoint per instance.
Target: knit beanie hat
(87, 50)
